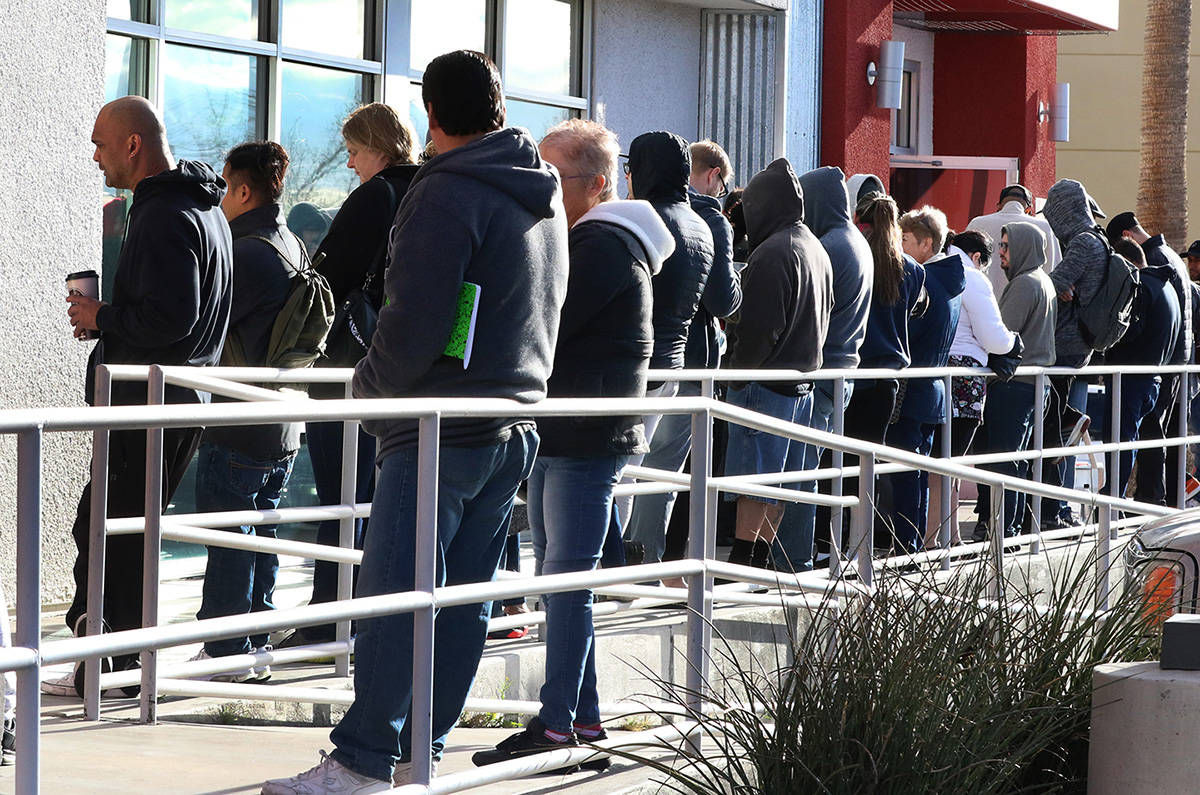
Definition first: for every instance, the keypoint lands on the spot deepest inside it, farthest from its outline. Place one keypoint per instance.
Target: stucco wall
(52, 60)
(647, 66)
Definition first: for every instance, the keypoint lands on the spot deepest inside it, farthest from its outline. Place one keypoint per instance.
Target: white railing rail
(852, 569)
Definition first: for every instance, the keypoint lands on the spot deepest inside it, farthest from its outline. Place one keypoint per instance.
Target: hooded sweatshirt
(489, 213)
(931, 335)
(1152, 334)
(980, 329)
(174, 281)
(826, 213)
(1084, 261)
(660, 164)
(606, 334)
(1158, 253)
(787, 285)
(1028, 303)
(723, 290)
(859, 185)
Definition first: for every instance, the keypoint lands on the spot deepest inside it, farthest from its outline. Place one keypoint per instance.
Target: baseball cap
(1193, 250)
(1121, 222)
(1019, 192)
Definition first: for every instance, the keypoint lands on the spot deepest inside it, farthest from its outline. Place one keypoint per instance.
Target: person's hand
(1067, 295)
(82, 314)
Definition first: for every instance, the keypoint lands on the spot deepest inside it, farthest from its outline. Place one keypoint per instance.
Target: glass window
(236, 18)
(118, 67)
(315, 102)
(539, 46)
(209, 101)
(332, 26)
(535, 118)
(440, 26)
(134, 10)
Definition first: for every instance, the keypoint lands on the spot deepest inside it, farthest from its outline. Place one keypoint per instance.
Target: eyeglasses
(1004, 245)
(577, 176)
(724, 190)
(625, 167)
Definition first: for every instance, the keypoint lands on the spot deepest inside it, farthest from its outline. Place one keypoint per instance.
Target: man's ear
(433, 122)
(244, 194)
(134, 145)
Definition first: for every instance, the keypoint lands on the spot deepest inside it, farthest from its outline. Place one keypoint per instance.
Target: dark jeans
(510, 560)
(1008, 422)
(1138, 395)
(476, 489)
(237, 581)
(910, 490)
(123, 570)
(1064, 390)
(325, 451)
(1158, 467)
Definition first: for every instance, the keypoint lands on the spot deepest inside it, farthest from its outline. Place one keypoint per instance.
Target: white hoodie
(980, 329)
(641, 220)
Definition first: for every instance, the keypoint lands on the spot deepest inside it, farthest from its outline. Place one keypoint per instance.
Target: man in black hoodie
(484, 216)
(170, 306)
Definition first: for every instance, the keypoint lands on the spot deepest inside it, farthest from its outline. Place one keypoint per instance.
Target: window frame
(909, 111)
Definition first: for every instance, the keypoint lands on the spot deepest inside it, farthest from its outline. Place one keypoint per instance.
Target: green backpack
(302, 324)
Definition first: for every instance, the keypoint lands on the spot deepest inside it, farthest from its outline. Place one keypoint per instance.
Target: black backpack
(301, 325)
(1106, 317)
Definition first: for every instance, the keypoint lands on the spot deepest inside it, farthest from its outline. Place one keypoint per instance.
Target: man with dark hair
(170, 306)
(245, 468)
(1015, 204)
(485, 218)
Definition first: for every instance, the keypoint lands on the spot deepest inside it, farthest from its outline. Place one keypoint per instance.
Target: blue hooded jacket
(930, 337)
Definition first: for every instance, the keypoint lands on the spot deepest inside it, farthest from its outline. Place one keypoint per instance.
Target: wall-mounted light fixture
(1058, 114)
(889, 74)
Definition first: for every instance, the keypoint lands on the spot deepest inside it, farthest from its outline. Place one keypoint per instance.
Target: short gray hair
(590, 147)
(927, 222)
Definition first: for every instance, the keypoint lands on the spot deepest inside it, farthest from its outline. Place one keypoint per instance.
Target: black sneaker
(531, 741)
(599, 763)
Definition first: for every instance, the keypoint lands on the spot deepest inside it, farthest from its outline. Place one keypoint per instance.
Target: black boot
(760, 557)
(741, 553)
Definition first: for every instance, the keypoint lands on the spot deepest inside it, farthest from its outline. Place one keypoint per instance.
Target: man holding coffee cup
(170, 305)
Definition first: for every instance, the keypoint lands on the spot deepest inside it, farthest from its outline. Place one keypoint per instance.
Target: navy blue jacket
(659, 167)
(1153, 333)
(723, 290)
(930, 337)
(886, 342)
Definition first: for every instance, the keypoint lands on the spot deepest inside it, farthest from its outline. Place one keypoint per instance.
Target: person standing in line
(170, 305)
(1015, 204)
(604, 346)
(240, 467)
(827, 213)
(782, 325)
(8, 693)
(651, 516)
(380, 149)
(484, 220)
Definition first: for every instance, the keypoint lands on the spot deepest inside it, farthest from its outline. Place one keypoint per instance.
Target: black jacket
(606, 334)
(659, 166)
(262, 280)
(787, 286)
(722, 292)
(357, 238)
(1159, 253)
(171, 294)
(489, 213)
(1151, 337)
(931, 335)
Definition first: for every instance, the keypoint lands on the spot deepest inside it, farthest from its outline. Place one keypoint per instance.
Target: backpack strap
(305, 263)
(379, 261)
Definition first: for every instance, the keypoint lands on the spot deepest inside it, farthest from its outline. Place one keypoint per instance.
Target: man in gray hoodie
(1028, 307)
(484, 216)
(787, 299)
(827, 214)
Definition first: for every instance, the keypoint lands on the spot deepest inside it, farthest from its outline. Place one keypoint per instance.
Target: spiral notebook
(462, 334)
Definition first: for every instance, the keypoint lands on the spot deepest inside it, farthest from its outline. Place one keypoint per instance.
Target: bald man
(170, 305)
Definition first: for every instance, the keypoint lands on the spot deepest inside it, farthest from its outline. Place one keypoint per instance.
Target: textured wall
(647, 68)
(52, 60)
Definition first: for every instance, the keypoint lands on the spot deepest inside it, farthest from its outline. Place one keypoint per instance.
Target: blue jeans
(910, 490)
(237, 581)
(793, 548)
(325, 450)
(570, 501)
(1008, 418)
(753, 452)
(476, 489)
(1138, 395)
(668, 450)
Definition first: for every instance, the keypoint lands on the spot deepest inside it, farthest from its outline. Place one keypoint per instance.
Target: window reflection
(440, 26)
(331, 26)
(536, 118)
(236, 18)
(208, 101)
(124, 62)
(315, 101)
(135, 10)
(538, 46)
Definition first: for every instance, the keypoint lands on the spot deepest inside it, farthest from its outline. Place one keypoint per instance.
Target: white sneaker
(327, 778)
(244, 675)
(402, 775)
(261, 673)
(65, 686)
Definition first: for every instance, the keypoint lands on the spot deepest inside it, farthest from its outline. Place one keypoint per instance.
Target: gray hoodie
(826, 214)
(489, 213)
(1085, 257)
(1027, 304)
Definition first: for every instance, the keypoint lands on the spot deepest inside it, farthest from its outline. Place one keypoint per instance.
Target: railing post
(837, 458)
(1104, 536)
(425, 577)
(29, 607)
(996, 511)
(152, 545)
(346, 525)
(701, 529)
(1039, 438)
(1182, 404)
(946, 504)
(862, 520)
(97, 545)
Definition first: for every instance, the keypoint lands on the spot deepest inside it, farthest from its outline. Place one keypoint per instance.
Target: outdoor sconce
(890, 75)
(1058, 114)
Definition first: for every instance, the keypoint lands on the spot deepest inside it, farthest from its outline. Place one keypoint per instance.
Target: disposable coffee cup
(85, 283)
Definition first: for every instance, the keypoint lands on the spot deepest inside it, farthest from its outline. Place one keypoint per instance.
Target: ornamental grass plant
(926, 684)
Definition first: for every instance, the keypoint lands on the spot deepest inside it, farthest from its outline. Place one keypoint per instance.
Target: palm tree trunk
(1162, 187)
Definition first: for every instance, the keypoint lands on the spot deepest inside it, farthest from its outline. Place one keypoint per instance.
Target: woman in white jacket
(980, 332)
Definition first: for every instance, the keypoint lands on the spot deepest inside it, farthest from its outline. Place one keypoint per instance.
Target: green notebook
(462, 334)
